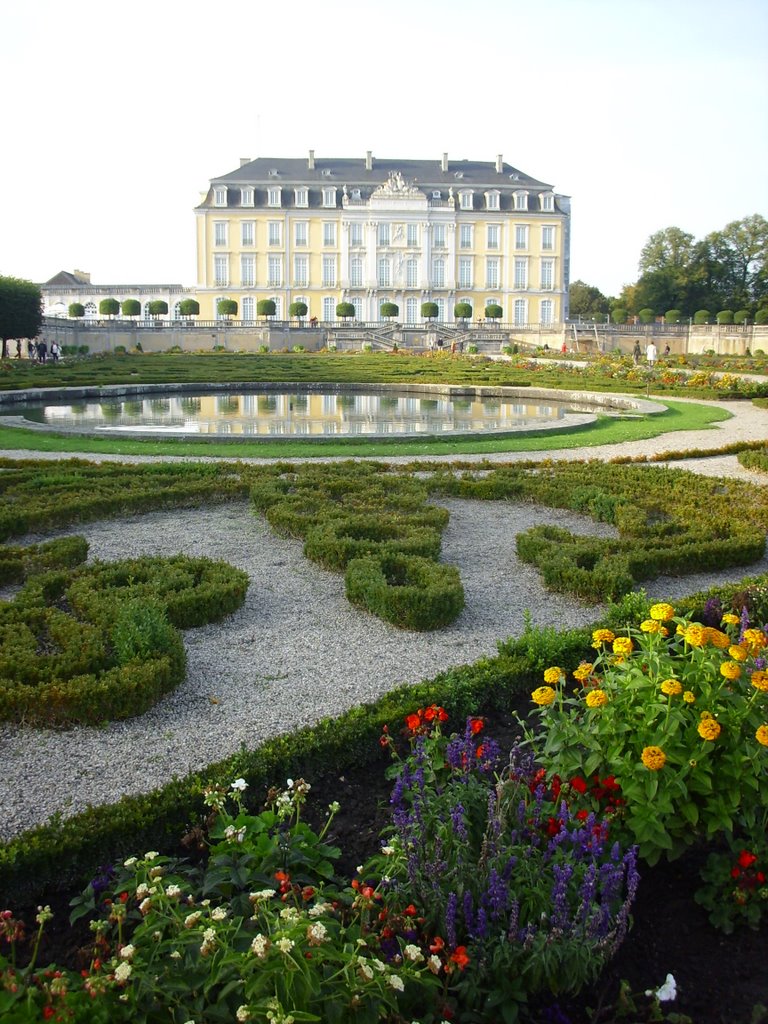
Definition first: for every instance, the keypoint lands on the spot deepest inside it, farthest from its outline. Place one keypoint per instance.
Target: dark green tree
(187, 307)
(109, 307)
(266, 307)
(740, 256)
(429, 310)
(21, 310)
(131, 307)
(298, 309)
(389, 309)
(493, 311)
(586, 301)
(226, 307)
(157, 307)
(345, 310)
(463, 311)
(76, 309)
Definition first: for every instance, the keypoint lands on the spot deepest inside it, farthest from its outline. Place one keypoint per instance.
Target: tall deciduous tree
(21, 310)
(584, 300)
(740, 255)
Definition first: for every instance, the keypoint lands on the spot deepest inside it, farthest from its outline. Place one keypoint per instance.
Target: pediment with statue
(397, 189)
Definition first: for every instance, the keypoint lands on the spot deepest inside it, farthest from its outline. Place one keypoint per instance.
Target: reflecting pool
(299, 413)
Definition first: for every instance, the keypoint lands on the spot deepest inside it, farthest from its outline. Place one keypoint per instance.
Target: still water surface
(297, 413)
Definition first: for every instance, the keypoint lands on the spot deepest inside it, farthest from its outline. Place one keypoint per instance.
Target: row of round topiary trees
(132, 307)
(701, 316)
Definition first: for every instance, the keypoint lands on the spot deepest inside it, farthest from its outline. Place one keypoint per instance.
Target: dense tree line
(21, 310)
(723, 276)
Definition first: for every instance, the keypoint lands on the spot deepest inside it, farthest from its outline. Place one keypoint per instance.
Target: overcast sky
(648, 113)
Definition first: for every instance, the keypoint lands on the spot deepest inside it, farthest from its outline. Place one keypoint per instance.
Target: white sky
(648, 113)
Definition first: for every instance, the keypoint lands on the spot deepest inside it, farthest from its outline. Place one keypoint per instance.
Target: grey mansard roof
(427, 175)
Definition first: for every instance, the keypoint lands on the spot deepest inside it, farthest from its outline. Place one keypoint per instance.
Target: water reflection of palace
(315, 414)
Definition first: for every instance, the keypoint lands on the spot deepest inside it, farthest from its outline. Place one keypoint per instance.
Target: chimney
(244, 160)
(499, 164)
(311, 161)
(444, 164)
(368, 160)
(82, 276)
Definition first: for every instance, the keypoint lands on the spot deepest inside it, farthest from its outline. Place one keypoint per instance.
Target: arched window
(91, 311)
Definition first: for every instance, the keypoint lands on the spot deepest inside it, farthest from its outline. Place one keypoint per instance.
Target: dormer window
(465, 200)
(329, 197)
(301, 197)
(220, 195)
(492, 200)
(246, 197)
(547, 201)
(355, 193)
(521, 200)
(274, 196)
(436, 195)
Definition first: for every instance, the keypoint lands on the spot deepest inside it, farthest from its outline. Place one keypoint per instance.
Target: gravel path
(297, 651)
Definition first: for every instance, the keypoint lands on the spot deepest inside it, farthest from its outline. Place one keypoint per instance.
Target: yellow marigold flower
(760, 680)
(755, 640)
(584, 671)
(650, 626)
(729, 619)
(694, 634)
(716, 638)
(543, 695)
(737, 652)
(653, 758)
(689, 697)
(730, 670)
(680, 629)
(602, 636)
(622, 645)
(662, 612)
(708, 728)
(762, 735)
(596, 698)
(553, 675)
(671, 687)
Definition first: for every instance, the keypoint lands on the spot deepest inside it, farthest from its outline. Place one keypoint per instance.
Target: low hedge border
(67, 852)
(412, 593)
(18, 563)
(335, 543)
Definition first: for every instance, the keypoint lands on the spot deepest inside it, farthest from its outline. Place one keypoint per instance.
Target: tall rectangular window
(521, 200)
(247, 232)
(220, 232)
(356, 272)
(411, 310)
(329, 310)
(411, 273)
(220, 196)
(547, 311)
(301, 197)
(465, 273)
(300, 232)
(438, 274)
(274, 271)
(465, 236)
(492, 273)
(521, 312)
(383, 234)
(384, 276)
(329, 197)
(521, 236)
(547, 273)
(438, 236)
(220, 270)
(548, 238)
(521, 273)
(412, 234)
(329, 233)
(355, 234)
(300, 271)
(492, 200)
(275, 232)
(547, 202)
(492, 241)
(465, 200)
(247, 271)
(247, 306)
(329, 271)
(246, 196)
(274, 197)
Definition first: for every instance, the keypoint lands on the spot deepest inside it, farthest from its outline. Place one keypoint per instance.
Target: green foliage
(429, 310)
(141, 631)
(619, 315)
(187, 307)
(131, 307)
(298, 309)
(725, 316)
(21, 310)
(389, 309)
(157, 307)
(761, 317)
(735, 889)
(673, 316)
(701, 316)
(741, 316)
(408, 591)
(19, 563)
(226, 307)
(646, 316)
(83, 350)
(586, 301)
(493, 311)
(335, 543)
(76, 309)
(109, 307)
(345, 310)
(266, 307)
(463, 310)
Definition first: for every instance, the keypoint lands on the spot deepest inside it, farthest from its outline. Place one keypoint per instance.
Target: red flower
(735, 872)
(413, 722)
(459, 957)
(760, 877)
(553, 826)
(578, 784)
(436, 945)
(746, 859)
(48, 1012)
(410, 911)
(581, 815)
(557, 785)
(476, 725)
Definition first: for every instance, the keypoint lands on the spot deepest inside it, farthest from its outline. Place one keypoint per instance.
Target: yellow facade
(368, 232)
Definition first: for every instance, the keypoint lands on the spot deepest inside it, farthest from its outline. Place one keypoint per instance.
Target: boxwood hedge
(410, 592)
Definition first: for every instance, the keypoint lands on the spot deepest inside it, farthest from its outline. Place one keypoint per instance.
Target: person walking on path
(651, 355)
(636, 353)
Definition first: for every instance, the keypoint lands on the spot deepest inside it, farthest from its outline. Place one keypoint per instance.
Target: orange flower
(760, 680)
(653, 758)
(708, 729)
(730, 670)
(459, 957)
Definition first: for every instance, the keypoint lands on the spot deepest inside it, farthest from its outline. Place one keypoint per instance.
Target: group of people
(37, 351)
(651, 353)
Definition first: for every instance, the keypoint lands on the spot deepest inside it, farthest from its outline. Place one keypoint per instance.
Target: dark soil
(721, 979)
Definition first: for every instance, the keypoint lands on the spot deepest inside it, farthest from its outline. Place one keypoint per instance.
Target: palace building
(368, 232)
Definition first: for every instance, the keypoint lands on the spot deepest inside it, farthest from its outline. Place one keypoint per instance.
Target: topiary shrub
(298, 310)
(83, 350)
(19, 563)
(76, 310)
(701, 316)
(493, 311)
(335, 543)
(266, 307)
(189, 307)
(619, 315)
(120, 350)
(157, 307)
(131, 307)
(410, 592)
(429, 310)
(646, 316)
(463, 311)
(673, 316)
(761, 317)
(226, 307)
(389, 309)
(725, 316)
(741, 316)
(109, 307)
